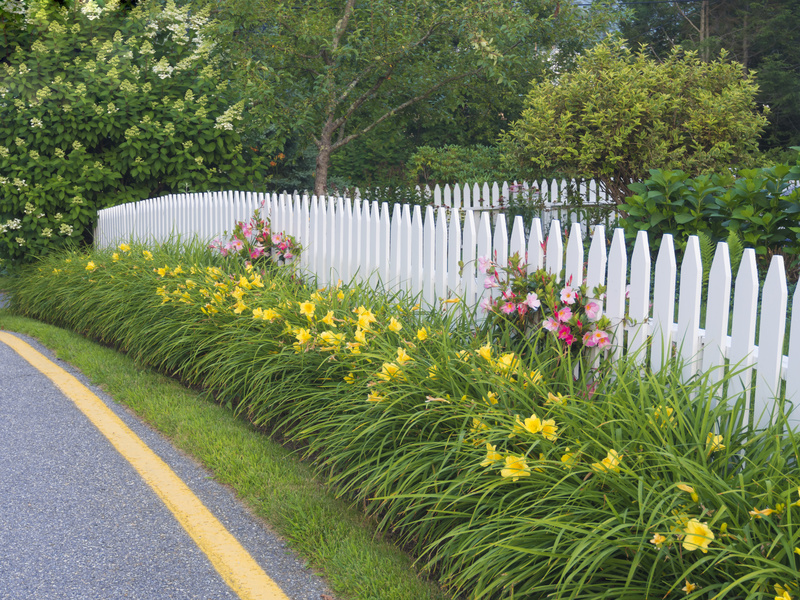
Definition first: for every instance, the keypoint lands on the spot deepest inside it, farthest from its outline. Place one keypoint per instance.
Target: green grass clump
(507, 474)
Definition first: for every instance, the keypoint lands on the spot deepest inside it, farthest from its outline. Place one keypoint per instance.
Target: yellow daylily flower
(90, 266)
(485, 352)
(328, 319)
(714, 443)
(307, 309)
(125, 247)
(422, 334)
(689, 587)
(115, 257)
(395, 325)
(609, 464)
(515, 468)
(491, 398)
(689, 490)
(390, 371)
(757, 514)
(375, 397)
(555, 399)
(698, 536)
(147, 255)
(303, 335)
(402, 356)
(492, 455)
(658, 540)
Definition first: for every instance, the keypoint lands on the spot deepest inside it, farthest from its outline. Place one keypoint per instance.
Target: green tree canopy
(621, 113)
(333, 71)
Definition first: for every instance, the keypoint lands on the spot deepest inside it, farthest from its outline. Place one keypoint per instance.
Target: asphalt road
(78, 522)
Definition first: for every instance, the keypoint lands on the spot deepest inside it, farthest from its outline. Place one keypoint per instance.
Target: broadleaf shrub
(102, 108)
(761, 206)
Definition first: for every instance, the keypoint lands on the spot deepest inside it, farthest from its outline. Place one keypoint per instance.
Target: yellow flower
(270, 315)
(478, 427)
(714, 443)
(316, 297)
(698, 536)
(532, 424)
(237, 293)
(422, 334)
(689, 490)
(244, 283)
(328, 319)
(240, 307)
(56, 271)
(330, 339)
(365, 317)
(533, 377)
(303, 336)
(689, 587)
(506, 363)
(757, 514)
(463, 355)
(354, 347)
(485, 352)
(549, 429)
(90, 266)
(663, 415)
(125, 247)
(307, 309)
(569, 458)
(115, 256)
(609, 463)
(658, 540)
(395, 325)
(491, 455)
(374, 397)
(515, 468)
(257, 313)
(782, 592)
(490, 398)
(555, 399)
(340, 295)
(433, 371)
(360, 336)
(191, 284)
(147, 255)
(162, 271)
(390, 371)
(402, 356)
(177, 271)
(350, 378)
(452, 301)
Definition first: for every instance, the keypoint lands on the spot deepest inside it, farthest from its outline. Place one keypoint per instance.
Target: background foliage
(99, 107)
(620, 113)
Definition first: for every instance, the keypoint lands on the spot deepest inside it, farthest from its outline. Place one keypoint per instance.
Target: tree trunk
(323, 161)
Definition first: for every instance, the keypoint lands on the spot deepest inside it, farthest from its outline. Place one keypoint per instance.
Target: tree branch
(341, 142)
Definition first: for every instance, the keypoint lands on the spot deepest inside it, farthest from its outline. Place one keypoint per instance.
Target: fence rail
(433, 252)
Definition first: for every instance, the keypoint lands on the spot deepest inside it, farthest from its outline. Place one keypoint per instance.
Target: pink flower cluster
(533, 300)
(252, 240)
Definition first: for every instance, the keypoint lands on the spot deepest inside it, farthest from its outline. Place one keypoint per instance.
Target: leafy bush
(509, 476)
(100, 110)
(761, 206)
(620, 113)
(455, 164)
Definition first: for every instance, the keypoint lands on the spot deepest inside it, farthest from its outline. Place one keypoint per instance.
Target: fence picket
(639, 300)
(440, 255)
(663, 305)
(716, 326)
(469, 256)
(573, 271)
(454, 287)
(417, 251)
(535, 258)
(554, 256)
(429, 260)
(793, 364)
(691, 286)
(743, 324)
(615, 294)
(770, 341)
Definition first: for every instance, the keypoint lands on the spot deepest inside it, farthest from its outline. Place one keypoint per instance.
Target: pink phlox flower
(568, 295)
(256, 252)
(601, 338)
(522, 308)
(509, 307)
(235, 244)
(550, 324)
(276, 238)
(592, 311)
(532, 300)
(288, 255)
(569, 339)
(508, 294)
(564, 314)
(563, 331)
(247, 229)
(483, 264)
(627, 291)
(588, 339)
(486, 304)
(490, 282)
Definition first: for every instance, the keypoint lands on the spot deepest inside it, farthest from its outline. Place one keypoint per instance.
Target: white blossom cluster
(65, 229)
(91, 9)
(13, 224)
(16, 7)
(47, 232)
(162, 68)
(29, 208)
(36, 123)
(226, 119)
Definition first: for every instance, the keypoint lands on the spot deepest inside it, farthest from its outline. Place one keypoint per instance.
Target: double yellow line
(239, 570)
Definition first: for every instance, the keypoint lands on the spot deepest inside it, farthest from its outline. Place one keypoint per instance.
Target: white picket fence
(434, 254)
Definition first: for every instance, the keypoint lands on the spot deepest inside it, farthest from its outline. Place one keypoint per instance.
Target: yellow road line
(243, 574)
